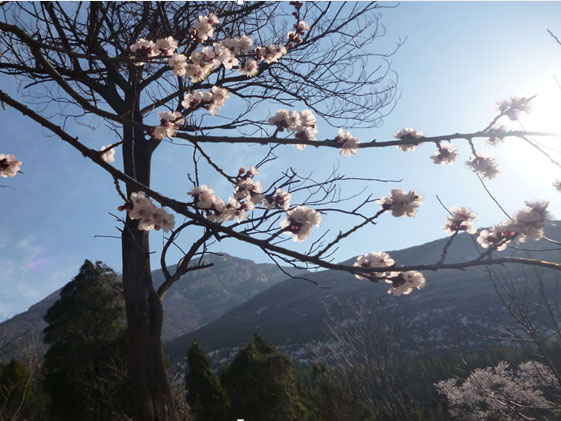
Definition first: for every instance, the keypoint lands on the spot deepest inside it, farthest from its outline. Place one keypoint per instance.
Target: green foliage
(16, 391)
(204, 392)
(262, 385)
(331, 399)
(85, 372)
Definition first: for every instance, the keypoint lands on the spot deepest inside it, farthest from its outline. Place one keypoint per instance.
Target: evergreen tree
(204, 393)
(262, 385)
(84, 367)
(17, 390)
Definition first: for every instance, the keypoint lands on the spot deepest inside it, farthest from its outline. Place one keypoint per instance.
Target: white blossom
(143, 49)
(308, 119)
(219, 95)
(169, 123)
(229, 211)
(238, 45)
(178, 62)
(279, 200)
(241, 213)
(408, 134)
(250, 191)
(497, 134)
(285, 119)
(203, 196)
(163, 220)
(502, 393)
(150, 216)
(226, 56)
(401, 203)
(303, 125)
(514, 106)
(174, 117)
(9, 165)
(529, 223)
(300, 221)
(250, 68)
(460, 220)
(374, 259)
(347, 142)
(204, 27)
(486, 166)
(557, 185)
(271, 53)
(109, 155)
(526, 224)
(445, 154)
(301, 27)
(166, 46)
(403, 283)
(306, 133)
(212, 100)
(496, 235)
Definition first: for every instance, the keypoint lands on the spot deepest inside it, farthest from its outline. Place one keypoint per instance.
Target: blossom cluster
(486, 166)
(375, 259)
(212, 100)
(526, 224)
(514, 106)
(200, 63)
(401, 203)
(502, 393)
(248, 194)
(279, 200)
(408, 134)
(150, 216)
(402, 283)
(302, 124)
(215, 208)
(497, 134)
(460, 220)
(299, 222)
(300, 28)
(347, 142)
(9, 165)
(271, 53)
(203, 28)
(146, 49)
(108, 155)
(169, 123)
(445, 154)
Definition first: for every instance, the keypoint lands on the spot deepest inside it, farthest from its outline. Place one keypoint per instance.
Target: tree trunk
(147, 371)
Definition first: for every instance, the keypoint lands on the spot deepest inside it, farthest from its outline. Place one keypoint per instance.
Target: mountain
(196, 299)
(293, 314)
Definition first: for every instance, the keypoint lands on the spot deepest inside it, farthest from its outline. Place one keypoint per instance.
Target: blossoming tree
(126, 63)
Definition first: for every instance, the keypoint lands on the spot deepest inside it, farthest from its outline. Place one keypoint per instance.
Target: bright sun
(545, 116)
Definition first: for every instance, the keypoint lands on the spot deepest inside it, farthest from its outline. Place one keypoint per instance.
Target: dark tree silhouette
(204, 391)
(84, 367)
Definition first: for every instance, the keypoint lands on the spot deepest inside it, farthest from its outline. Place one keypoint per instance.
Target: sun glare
(545, 117)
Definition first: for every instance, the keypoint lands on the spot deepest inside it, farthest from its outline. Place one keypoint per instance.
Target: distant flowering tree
(502, 393)
(124, 62)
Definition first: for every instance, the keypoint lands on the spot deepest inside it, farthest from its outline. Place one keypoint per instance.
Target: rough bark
(147, 371)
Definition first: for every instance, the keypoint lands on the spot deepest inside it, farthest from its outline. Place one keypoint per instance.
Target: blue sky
(458, 61)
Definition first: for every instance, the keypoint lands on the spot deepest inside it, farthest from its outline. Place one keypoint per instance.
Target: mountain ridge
(292, 314)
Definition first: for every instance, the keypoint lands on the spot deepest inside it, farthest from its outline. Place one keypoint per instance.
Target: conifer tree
(204, 393)
(85, 365)
(17, 391)
(261, 385)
